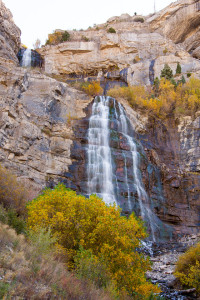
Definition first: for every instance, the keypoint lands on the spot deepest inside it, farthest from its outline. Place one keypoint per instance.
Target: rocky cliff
(138, 50)
(36, 114)
(180, 22)
(9, 34)
(44, 122)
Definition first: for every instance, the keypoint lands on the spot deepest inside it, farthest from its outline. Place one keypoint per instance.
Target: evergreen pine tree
(166, 72)
(156, 85)
(173, 81)
(178, 68)
(183, 80)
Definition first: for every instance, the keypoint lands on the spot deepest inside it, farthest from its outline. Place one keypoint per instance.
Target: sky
(39, 17)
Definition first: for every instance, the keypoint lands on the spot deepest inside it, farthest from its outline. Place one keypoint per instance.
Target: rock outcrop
(180, 22)
(36, 114)
(9, 35)
(139, 48)
(128, 52)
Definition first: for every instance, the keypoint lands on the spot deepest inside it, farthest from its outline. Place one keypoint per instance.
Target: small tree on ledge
(166, 72)
(178, 68)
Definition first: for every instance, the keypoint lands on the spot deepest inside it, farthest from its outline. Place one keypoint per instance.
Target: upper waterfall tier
(26, 59)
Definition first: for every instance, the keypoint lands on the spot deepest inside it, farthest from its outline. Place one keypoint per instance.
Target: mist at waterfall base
(121, 184)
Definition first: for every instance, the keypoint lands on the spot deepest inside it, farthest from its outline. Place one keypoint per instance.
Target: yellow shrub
(89, 223)
(166, 99)
(93, 89)
(188, 268)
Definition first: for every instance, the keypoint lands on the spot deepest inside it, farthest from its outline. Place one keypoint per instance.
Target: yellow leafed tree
(89, 223)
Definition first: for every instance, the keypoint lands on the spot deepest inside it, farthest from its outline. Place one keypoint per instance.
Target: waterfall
(26, 59)
(144, 204)
(100, 174)
(111, 139)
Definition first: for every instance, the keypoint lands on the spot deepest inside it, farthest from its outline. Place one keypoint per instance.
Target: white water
(101, 178)
(26, 59)
(143, 199)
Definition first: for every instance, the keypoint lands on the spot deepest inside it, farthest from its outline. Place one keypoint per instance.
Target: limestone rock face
(180, 22)
(175, 148)
(36, 115)
(9, 34)
(139, 48)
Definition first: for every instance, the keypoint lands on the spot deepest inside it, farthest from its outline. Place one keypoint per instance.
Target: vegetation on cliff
(92, 88)
(188, 268)
(58, 37)
(164, 98)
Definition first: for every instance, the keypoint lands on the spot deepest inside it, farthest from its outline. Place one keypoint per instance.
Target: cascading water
(110, 129)
(26, 59)
(100, 175)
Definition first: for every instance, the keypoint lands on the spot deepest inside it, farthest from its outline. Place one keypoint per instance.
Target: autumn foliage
(164, 98)
(12, 193)
(58, 37)
(91, 225)
(93, 88)
(188, 268)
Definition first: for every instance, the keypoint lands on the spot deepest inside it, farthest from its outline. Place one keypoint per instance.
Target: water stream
(111, 137)
(100, 174)
(26, 59)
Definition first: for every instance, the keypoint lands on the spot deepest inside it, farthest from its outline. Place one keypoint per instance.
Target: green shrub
(173, 81)
(16, 222)
(11, 218)
(111, 30)
(65, 36)
(4, 288)
(178, 68)
(42, 240)
(188, 268)
(166, 72)
(88, 266)
(139, 19)
(85, 38)
(189, 75)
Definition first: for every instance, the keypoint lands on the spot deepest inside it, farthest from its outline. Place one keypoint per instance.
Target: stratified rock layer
(138, 50)
(9, 34)
(36, 113)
